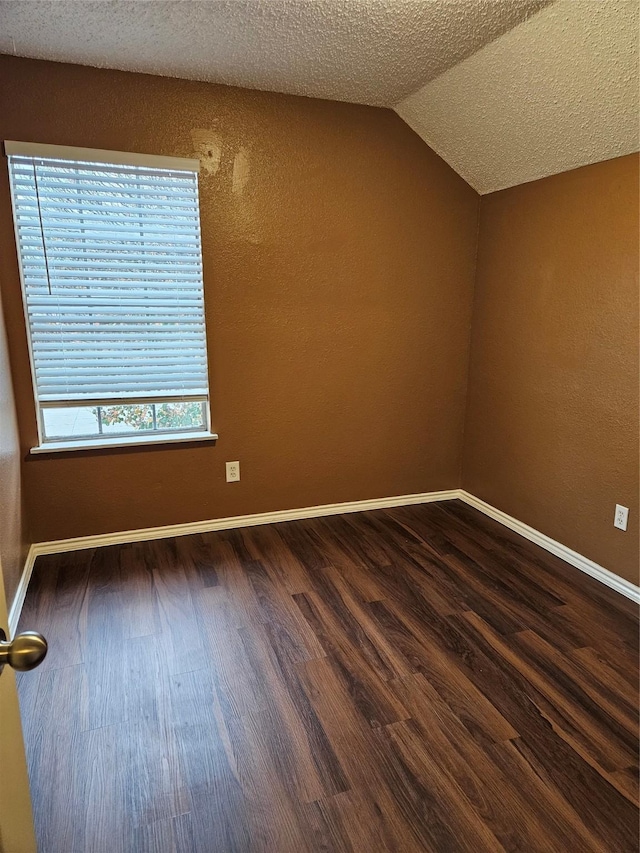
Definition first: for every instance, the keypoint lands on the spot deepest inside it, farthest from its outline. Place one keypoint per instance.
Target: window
(111, 272)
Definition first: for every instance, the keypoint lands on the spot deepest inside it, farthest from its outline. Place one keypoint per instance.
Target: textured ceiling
(506, 91)
(559, 91)
(367, 51)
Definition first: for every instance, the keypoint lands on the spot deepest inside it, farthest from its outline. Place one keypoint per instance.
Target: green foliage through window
(161, 416)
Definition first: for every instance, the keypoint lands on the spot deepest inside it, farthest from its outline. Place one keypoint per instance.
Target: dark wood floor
(415, 679)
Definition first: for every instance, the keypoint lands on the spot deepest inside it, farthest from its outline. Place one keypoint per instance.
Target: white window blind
(112, 277)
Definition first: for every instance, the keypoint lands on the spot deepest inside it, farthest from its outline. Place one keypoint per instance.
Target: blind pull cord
(44, 242)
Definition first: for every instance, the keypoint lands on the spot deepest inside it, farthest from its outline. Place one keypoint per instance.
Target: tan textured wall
(13, 537)
(552, 423)
(338, 257)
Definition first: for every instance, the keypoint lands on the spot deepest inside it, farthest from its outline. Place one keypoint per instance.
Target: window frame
(116, 439)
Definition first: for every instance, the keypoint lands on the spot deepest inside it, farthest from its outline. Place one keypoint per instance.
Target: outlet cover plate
(233, 472)
(621, 517)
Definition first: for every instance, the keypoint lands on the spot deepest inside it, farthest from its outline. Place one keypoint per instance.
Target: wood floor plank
(627, 781)
(600, 697)
(274, 814)
(355, 658)
(365, 549)
(237, 687)
(339, 615)
(157, 789)
(397, 681)
(233, 585)
(102, 627)
(582, 722)
(554, 573)
(383, 805)
(388, 661)
(324, 828)
(139, 597)
(218, 805)
(593, 798)
(176, 612)
(341, 718)
(558, 826)
(265, 543)
(171, 835)
(473, 708)
(327, 765)
(278, 609)
(607, 677)
(104, 792)
(432, 804)
(56, 606)
(297, 749)
(406, 554)
(551, 756)
(53, 733)
(466, 578)
(496, 562)
(499, 799)
(200, 566)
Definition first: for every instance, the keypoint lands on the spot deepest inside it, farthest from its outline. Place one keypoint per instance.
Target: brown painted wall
(552, 423)
(13, 535)
(339, 262)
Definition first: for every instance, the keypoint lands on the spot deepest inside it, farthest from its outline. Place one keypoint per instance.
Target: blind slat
(117, 275)
(75, 349)
(131, 299)
(23, 182)
(102, 204)
(116, 370)
(167, 363)
(129, 218)
(116, 390)
(87, 332)
(74, 261)
(114, 234)
(103, 246)
(72, 187)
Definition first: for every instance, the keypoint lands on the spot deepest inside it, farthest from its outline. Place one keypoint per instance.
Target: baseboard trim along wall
(229, 523)
(80, 543)
(18, 599)
(58, 546)
(586, 565)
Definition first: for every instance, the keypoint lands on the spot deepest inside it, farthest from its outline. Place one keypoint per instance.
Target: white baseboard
(18, 598)
(57, 546)
(146, 533)
(586, 565)
(80, 543)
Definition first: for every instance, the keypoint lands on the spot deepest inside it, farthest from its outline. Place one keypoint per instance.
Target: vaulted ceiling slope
(504, 90)
(559, 91)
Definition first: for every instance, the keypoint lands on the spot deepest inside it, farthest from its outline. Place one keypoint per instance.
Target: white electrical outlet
(233, 472)
(621, 517)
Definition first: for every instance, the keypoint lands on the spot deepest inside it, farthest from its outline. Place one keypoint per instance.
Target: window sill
(128, 441)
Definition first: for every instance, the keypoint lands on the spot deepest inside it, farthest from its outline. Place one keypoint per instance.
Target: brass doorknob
(26, 651)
